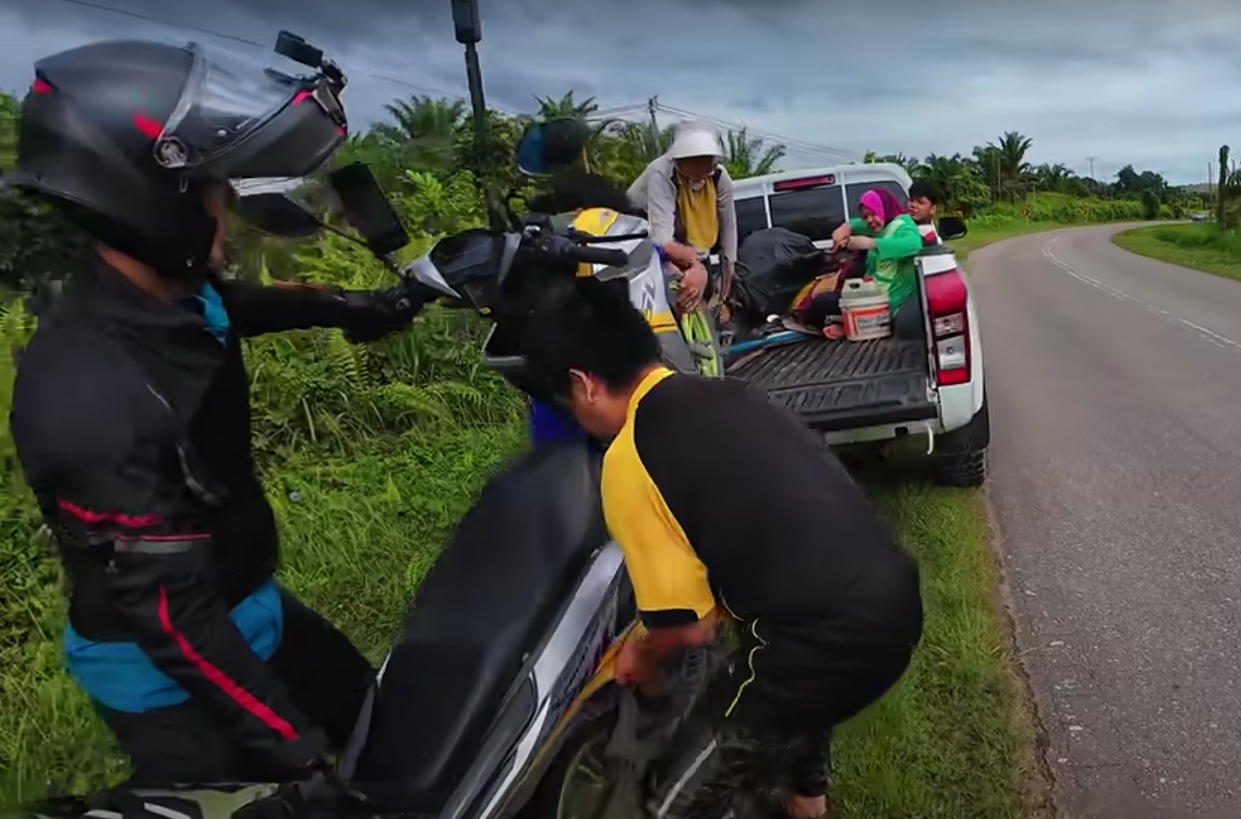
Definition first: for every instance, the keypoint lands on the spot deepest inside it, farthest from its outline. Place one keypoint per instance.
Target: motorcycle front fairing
(646, 277)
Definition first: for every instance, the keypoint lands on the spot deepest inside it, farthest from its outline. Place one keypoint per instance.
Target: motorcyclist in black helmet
(131, 410)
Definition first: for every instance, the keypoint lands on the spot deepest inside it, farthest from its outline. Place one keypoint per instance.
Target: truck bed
(835, 385)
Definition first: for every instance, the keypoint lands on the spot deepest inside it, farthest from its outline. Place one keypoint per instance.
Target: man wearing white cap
(688, 196)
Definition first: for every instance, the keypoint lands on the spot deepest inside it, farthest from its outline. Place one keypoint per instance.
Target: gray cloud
(1134, 81)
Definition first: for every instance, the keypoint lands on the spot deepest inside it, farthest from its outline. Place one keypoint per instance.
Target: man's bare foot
(810, 807)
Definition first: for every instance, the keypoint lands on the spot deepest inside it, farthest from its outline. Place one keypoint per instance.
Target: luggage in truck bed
(837, 385)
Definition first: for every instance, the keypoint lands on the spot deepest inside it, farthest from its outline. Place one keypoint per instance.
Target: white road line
(1206, 334)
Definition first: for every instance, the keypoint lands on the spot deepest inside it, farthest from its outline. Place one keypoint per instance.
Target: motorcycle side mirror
(277, 214)
(547, 146)
(368, 210)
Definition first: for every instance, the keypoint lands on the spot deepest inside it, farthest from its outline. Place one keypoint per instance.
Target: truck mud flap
(837, 385)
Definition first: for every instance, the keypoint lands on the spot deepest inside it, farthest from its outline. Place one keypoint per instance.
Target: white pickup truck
(870, 392)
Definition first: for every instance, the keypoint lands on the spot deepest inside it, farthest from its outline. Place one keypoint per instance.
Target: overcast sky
(1148, 82)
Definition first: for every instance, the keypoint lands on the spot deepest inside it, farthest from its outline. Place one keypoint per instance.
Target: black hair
(927, 190)
(589, 326)
(577, 190)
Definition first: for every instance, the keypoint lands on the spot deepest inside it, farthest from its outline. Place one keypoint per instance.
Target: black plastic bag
(773, 265)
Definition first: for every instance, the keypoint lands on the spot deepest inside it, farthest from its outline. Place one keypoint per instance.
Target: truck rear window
(751, 216)
(814, 212)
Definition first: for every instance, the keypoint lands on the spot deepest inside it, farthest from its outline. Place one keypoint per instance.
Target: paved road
(1115, 395)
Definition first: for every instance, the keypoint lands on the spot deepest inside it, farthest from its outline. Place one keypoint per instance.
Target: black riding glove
(371, 316)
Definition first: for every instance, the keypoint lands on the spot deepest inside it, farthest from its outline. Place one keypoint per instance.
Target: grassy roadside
(956, 737)
(1200, 246)
(953, 740)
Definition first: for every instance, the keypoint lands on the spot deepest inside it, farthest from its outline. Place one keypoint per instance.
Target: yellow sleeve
(669, 581)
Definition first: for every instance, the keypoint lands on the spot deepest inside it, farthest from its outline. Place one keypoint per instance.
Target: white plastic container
(864, 309)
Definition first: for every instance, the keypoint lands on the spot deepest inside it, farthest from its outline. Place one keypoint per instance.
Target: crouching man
(769, 533)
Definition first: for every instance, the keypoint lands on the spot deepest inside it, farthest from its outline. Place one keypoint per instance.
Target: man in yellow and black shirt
(727, 507)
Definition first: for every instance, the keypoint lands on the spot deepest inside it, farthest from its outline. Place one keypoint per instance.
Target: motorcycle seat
(489, 598)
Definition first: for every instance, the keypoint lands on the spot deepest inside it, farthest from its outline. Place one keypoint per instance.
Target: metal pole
(652, 106)
(474, 76)
(478, 104)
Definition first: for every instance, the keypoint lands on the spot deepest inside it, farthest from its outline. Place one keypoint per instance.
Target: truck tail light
(946, 298)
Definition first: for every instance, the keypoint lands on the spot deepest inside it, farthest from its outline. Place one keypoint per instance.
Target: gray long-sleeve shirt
(655, 191)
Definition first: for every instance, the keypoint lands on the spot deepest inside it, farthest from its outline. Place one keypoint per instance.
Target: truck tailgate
(835, 385)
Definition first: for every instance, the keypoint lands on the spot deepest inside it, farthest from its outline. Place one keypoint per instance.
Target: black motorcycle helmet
(125, 136)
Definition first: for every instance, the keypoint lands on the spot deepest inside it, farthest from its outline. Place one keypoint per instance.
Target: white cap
(695, 139)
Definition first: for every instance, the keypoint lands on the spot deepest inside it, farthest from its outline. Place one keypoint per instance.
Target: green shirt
(891, 263)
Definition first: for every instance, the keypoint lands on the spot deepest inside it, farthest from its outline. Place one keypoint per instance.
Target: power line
(735, 126)
(135, 15)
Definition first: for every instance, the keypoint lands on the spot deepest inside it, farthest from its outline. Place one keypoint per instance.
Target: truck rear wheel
(961, 457)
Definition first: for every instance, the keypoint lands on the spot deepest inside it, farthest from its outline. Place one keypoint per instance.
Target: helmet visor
(230, 111)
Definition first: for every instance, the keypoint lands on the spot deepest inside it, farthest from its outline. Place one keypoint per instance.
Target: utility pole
(469, 31)
(1091, 160)
(652, 107)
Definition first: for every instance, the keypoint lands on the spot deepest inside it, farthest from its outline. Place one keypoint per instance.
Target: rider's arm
(161, 580)
(256, 309)
(728, 216)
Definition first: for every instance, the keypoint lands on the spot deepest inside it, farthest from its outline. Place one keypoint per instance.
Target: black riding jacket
(132, 424)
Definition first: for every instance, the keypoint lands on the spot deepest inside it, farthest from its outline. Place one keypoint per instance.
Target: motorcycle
(502, 682)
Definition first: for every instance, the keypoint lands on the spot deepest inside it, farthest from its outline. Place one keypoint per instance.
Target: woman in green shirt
(892, 240)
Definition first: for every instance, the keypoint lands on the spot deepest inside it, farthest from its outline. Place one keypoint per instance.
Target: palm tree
(957, 177)
(909, 163)
(750, 156)
(587, 109)
(1056, 178)
(566, 106)
(422, 131)
(1012, 169)
(632, 146)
